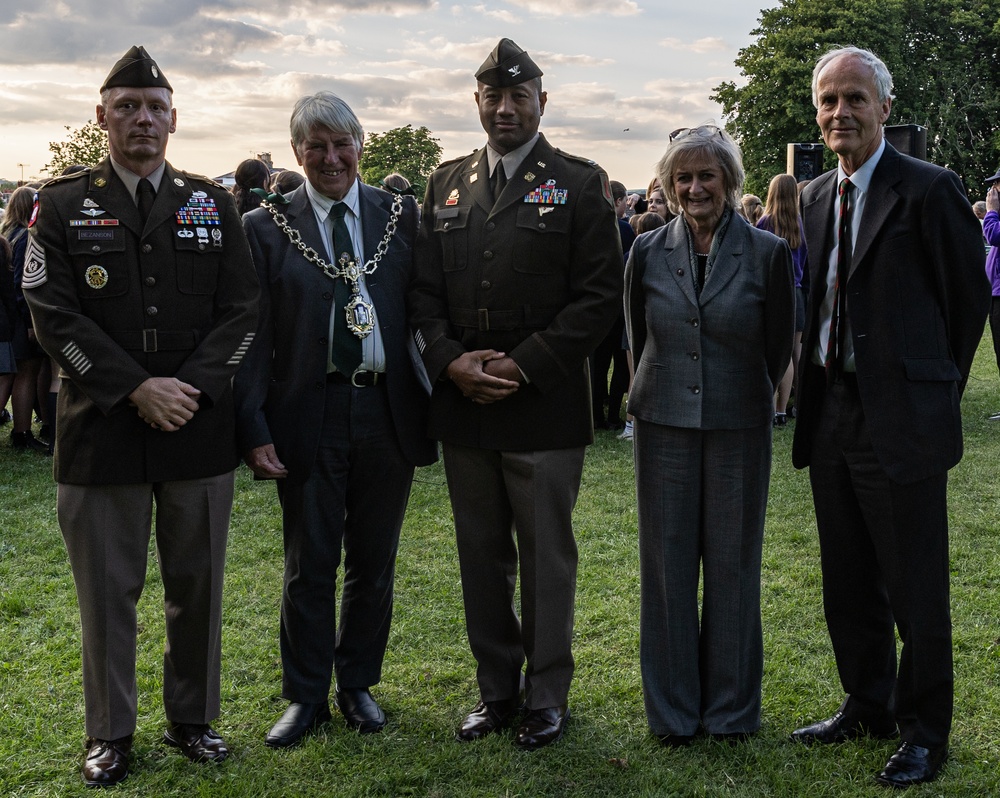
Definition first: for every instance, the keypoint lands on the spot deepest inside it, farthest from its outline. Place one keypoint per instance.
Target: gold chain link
(348, 268)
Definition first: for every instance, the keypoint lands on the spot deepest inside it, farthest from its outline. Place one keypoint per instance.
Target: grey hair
(713, 144)
(880, 72)
(324, 109)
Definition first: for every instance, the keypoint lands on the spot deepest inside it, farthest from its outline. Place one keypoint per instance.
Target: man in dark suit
(330, 403)
(141, 286)
(519, 277)
(897, 311)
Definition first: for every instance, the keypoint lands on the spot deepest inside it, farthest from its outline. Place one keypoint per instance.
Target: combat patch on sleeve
(34, 265)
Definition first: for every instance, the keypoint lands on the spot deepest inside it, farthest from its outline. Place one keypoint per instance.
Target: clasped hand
(485, 375)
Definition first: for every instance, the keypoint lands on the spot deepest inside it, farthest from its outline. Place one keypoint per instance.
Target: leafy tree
(412, 153)
(87, 145)
(943, 55)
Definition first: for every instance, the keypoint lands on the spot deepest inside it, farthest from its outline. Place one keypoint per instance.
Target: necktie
(499, 181)
(835, 346)
(345, 351)
(146, 197)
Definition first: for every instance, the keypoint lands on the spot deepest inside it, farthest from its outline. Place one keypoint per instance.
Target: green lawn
(429, 683)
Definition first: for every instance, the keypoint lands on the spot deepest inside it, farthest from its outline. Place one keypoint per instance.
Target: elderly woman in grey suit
(710, 314)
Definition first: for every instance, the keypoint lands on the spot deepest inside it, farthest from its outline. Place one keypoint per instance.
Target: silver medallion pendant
(360, 316)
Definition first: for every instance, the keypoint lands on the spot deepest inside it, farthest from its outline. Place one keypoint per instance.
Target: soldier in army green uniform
(519, 277)
(142, 288)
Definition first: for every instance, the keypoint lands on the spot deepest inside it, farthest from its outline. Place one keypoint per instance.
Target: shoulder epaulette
(578, 158)
(66, 178)
(202, 179)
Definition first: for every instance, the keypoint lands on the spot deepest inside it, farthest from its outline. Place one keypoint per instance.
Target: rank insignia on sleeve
(547, 194)
(34, 265)
(96, 276)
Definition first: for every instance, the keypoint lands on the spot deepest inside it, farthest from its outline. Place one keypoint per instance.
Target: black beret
(507, 65)
(136, 70)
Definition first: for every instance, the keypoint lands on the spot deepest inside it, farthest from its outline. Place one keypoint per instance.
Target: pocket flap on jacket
(941, 369)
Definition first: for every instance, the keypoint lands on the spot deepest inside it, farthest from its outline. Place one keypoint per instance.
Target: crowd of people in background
(695, 312)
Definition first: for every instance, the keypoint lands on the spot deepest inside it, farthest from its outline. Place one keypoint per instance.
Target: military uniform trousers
(515, 509)
(107, 530)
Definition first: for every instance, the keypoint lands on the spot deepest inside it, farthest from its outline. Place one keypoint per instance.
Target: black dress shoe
(199, 742)
(839, 729)
(106, 762)
(297, 721)
(487, 717)
(675, 740)
(541, 727)
(360, 710)
(912, 764)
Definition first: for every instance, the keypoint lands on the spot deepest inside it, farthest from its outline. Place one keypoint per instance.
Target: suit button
(680, 272)
(150, 281)
(95, 248)
(491, 226)
(446, 225)
(694, 355)
(488, 255)
(327, 296)
(322, 341)
(695, 389)
(485, 284)
(541, 225)
(147, 248)
(151, 310)
(694, 322)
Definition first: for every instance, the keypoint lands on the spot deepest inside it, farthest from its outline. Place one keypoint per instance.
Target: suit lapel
(109, 192)
(476, 177)
(535, 169)
(879, 204)
(301, 217)
(675, 251)
(728, 259)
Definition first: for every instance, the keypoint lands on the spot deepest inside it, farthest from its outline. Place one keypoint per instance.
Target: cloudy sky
(237, 67)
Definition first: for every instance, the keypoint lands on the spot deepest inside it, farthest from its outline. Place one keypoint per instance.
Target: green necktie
(345, 352)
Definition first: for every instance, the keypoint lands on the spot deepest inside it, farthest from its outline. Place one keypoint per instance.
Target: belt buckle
(149, 343)
(369, 378)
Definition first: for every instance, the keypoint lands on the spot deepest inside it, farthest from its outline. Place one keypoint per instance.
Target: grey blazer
(708, 361)
(281, 386)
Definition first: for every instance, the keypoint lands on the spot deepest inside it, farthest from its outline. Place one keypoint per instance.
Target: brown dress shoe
(199, 742)
(106, 762)
(541, 727)
(487, 717)
(360, 710)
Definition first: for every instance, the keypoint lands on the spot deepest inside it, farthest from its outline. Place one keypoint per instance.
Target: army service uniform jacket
(538, 276)
(115, 304)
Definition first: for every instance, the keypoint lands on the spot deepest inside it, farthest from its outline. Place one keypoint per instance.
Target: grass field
(428, 681)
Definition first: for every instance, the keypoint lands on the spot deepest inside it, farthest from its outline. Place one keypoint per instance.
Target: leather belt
(484, 319)
(359, 379)
(153, 340)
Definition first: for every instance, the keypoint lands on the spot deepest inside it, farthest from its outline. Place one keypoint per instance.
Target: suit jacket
(917, 301)
(115, 303)
(709, 361)
(541, 282)
(281, 388)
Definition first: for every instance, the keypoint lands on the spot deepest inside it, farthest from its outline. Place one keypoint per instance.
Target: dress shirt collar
(512, 159)
(322, 205)
(131, 179)
(862, 178)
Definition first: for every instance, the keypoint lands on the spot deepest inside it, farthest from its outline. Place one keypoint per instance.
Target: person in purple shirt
(991, 232)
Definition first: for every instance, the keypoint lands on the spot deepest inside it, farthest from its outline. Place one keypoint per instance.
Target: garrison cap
(136, 70)
(507, 65)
